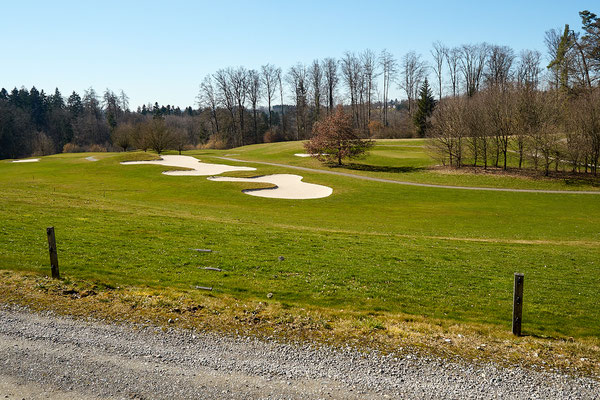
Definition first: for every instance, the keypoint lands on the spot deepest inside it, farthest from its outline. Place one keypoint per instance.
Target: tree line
(238, 106)
(511, 115)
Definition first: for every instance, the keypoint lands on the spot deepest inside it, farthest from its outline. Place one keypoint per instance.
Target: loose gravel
(46, 356)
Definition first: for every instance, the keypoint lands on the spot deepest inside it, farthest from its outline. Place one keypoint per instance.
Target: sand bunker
(91, 158)
(287, 186)
(197, 168)
(28, 160)
(308, 155)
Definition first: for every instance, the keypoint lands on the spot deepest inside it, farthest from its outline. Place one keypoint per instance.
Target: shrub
(43, 145)
(96, 148)
(216, 142)
(72, 148)
(272, 135)
(336, 138)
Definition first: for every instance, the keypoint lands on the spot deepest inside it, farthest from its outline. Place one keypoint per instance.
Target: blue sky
(160, 51)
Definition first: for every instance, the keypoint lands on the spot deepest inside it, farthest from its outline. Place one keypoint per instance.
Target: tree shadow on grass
(377, 168)
(593, 181)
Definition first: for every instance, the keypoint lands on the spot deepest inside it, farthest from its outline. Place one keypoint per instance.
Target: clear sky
(160, 51)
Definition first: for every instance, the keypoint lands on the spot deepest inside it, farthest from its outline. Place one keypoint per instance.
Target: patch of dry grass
(388, 332)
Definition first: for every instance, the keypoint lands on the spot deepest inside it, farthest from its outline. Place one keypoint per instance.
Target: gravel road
(43, 356)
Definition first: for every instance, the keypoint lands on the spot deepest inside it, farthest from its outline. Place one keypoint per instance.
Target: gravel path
(46, 356)
(430, 185)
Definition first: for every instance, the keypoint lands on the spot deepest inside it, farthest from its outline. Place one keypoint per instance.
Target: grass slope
(409, 160)
(370, 247)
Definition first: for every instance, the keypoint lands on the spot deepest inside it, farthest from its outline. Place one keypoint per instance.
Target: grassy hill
(375, 249)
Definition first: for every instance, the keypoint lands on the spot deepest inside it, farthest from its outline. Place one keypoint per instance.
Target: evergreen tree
(561, 62)
(37, 107)
(591, 38)
(56, 100)
(75, 105)
(112, 108)
(425, 106)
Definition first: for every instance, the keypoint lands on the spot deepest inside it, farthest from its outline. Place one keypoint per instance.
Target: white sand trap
(308, 155)
(28, 160)
(197, 168)
(287, 186)
(91, 158)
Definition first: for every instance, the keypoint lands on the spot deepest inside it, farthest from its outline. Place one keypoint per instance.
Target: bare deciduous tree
(389, 68)
(208, 98)
(316, 83)
(158, 136)
(336, 139)
(124, 101)
(449, 131)
(501, 112)
(297, 78)
(225, 95)
(528, 68)
(239, 88)
(453, 61)
(254, 94)
(370, 73)
(583, 130)
(499, 65)
(439, 54)
(269, 74)
(351, 71)
(413, 70)
(330, 72)
(472, 62)
(280, 81)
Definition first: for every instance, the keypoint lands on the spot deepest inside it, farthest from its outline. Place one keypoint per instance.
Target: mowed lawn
(411, 160)
(370, 247)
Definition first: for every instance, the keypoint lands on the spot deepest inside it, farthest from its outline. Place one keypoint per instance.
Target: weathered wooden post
(53, 253)
(518, 304)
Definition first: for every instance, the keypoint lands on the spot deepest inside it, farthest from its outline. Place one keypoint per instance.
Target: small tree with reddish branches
(335, 139)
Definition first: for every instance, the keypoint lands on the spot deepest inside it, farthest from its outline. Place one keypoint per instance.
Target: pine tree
(74, 105)
(561, 61)
(591, 38)
(425, 106)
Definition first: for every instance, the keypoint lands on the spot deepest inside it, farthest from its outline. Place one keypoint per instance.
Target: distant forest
(475, 100)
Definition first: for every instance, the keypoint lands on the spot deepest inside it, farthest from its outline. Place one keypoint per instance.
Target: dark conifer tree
(425, 106)
(56, 100)
(74, 105)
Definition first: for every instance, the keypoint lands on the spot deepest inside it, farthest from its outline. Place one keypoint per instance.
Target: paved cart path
(430, 185)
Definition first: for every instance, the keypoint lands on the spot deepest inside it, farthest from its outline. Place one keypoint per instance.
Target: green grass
(370, 247)
(410, 160)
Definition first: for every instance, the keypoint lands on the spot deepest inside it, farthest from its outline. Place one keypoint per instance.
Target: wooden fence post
(53, 253)
(518, 304)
